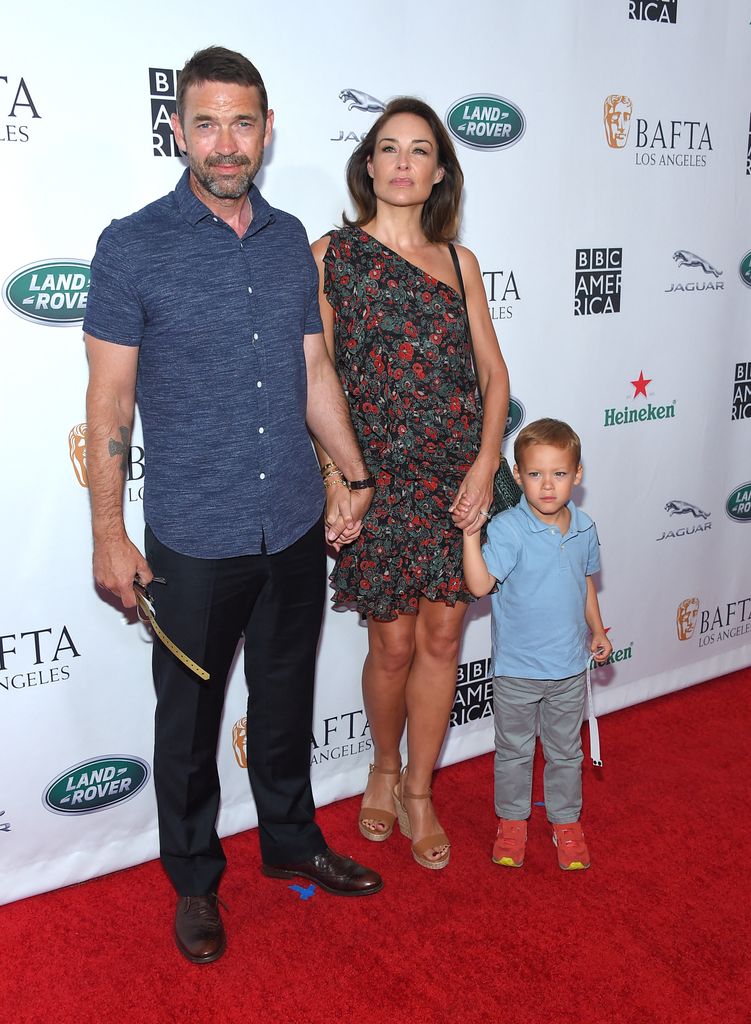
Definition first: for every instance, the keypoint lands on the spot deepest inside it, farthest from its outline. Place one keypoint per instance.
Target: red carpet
(656, 931)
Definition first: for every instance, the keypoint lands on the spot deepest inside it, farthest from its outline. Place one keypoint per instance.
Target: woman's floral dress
(402, 354)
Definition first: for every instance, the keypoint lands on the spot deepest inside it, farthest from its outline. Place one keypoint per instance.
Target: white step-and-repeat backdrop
(607, 152)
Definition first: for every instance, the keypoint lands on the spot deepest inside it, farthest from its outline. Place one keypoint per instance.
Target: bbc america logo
(597, 282)
(653, 10)
(474, 692)
(742, 392)
(162, 86)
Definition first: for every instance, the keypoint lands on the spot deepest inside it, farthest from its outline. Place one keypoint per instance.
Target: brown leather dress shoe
(199, 931)
(339, 875)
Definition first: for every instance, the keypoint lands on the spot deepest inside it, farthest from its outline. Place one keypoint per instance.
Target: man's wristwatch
(360, 485)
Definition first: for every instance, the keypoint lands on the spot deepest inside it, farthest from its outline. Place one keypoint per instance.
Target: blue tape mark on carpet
(539, 803)
(306, 893)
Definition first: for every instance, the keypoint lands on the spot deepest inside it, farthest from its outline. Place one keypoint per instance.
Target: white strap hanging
(594, 732)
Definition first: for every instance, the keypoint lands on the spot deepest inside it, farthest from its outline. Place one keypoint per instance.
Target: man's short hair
(217, 64)
(548, 431)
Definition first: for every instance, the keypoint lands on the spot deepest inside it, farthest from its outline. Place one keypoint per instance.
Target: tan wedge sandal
(377, 814)
(420, 848)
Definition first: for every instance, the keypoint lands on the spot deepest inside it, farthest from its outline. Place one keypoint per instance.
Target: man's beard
(220, 186)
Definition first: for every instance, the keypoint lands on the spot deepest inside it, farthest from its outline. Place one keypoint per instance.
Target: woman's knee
(440, 643)
(391, 650)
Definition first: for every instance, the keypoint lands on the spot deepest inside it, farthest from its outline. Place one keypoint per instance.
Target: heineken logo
(738, 505)
(638, 414)
(745, 269)
(94, 785)
(619, 417)
(486, 122)
(515, 416)
(53, 292)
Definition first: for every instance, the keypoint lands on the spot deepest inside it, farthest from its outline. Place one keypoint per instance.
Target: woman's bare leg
(430, 691)
(384, 681)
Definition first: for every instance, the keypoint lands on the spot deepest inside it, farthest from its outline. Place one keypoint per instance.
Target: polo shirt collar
(537, 526)
(193, 210)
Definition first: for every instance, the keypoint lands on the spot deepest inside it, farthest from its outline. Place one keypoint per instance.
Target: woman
(395, 324)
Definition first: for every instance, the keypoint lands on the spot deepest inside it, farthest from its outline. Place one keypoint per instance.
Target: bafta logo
(685, 617)
(617, 118)
(240, 742)
(77, 452)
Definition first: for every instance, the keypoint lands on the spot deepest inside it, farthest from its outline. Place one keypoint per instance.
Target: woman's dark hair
(440, 215)
(217, 64)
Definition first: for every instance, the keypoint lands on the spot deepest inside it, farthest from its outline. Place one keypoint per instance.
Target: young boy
(543, 553)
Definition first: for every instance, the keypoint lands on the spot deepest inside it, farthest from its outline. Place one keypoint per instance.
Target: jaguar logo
(684, 258)
(358, 100)
(683, 508)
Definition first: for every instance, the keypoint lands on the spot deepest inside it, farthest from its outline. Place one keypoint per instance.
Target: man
(204, 304)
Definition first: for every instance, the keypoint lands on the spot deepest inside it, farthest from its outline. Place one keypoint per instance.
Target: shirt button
(260, 431)
(255, 337)
(259, 384)
(261, 476)
(250, 291)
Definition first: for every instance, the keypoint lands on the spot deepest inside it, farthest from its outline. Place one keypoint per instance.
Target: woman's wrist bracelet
(360, 485)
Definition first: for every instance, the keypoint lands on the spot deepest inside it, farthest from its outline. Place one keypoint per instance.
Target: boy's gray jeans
(561, 710)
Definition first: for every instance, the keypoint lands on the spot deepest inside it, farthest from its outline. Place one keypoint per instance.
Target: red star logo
(640, 385)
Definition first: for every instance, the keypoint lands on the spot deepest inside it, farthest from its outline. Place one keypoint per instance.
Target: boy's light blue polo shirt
(538, 625)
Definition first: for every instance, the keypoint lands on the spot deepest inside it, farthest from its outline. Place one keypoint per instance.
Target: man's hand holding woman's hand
(344, 514)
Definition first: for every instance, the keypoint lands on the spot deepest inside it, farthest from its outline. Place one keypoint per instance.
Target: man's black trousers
(205, 607)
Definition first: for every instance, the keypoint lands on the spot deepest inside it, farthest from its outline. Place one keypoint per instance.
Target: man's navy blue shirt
(222, 385)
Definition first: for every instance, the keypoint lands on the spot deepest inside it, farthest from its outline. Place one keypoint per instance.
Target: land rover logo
(53, 292)
(94, 785)
(745, 270)
(738, 505)
(515, 416)
(486, 122)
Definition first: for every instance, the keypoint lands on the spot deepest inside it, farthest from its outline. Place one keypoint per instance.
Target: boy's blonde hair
(548, 431)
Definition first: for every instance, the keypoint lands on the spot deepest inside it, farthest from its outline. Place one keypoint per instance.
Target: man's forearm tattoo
(121, 448)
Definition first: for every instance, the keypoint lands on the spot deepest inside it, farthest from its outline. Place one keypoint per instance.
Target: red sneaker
(510, 842)
(573, 854)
